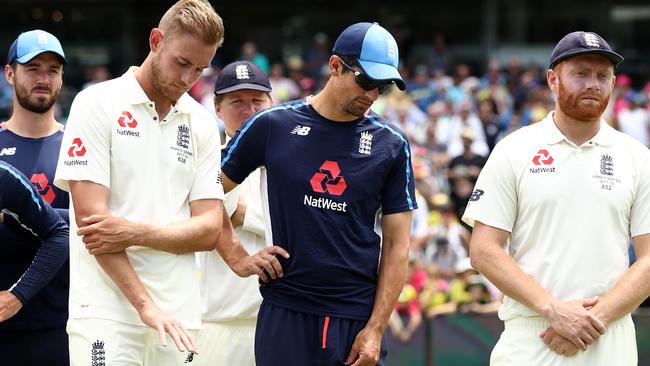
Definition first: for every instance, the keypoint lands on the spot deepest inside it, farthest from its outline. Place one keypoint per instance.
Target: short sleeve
(640, 215)
(494, 199)
(207, 181)
(85, 149)
(398, 192)
(246, 151)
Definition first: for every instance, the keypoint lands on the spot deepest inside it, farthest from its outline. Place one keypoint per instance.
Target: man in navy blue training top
(332, 167)
(30, 141)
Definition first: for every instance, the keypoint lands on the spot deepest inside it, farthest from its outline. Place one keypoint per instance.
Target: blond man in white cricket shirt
(141, 160)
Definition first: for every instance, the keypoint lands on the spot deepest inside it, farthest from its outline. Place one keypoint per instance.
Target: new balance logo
(301, 130)
(189, 358)
(365, 143)
(7, 151)
(476, 195)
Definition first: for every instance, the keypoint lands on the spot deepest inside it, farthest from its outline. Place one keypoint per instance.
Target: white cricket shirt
(153, 169)
(570, 209)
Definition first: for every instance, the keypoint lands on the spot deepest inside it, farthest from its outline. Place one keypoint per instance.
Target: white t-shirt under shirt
(570, 209)
(153, 169)
(226, 296)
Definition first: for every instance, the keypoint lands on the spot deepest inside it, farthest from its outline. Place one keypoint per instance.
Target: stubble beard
(157, 82)
(571, 105)
(35, 103)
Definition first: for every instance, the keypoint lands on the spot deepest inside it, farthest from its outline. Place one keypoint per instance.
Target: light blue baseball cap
(375, 50)
(31, 44)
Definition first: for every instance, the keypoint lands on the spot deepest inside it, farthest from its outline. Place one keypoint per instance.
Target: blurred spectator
(96, 74)
(407, 310)
(490, 121)
(479, 298)
(449, 240)
(249, 52)
(283, 88)
(635, 119)
(439, 55)
(6, 99)
(463, 119)
(420, 89)
(317, 57)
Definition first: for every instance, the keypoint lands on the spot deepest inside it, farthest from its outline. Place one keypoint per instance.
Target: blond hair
(195, 17)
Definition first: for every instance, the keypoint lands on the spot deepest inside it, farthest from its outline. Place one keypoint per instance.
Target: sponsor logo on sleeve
(76, 153)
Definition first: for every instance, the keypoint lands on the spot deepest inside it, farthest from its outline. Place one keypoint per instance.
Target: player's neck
(576, 131)
(143, 76)
(33, 125)
(325, 103)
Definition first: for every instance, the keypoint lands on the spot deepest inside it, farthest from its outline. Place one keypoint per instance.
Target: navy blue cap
(31, 44)
(580, 43)
(240, 75)
(375, 50)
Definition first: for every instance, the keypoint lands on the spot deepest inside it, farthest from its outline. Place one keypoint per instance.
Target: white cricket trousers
(520, 344)
(103, 342)
(227, 343)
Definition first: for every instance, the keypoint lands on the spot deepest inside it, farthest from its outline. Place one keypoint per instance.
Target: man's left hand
(9, 305)
(557, 343)
(366, 349)
(109, 234)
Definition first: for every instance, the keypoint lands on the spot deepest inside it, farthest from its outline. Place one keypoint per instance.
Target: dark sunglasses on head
(366, 83)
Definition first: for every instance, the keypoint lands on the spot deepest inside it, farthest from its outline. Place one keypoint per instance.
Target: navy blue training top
(326, 182)
(36, 158)
(20, 200)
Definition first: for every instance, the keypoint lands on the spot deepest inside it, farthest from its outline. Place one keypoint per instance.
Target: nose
(592, 82)
(188, 77)
(372, 94)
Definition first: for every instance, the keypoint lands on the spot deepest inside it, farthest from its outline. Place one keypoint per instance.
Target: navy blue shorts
(42, 347)
(290, 338)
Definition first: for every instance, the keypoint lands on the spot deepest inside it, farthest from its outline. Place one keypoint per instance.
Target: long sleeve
(22, 204)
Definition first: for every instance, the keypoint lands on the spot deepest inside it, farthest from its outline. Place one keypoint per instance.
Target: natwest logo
(543, 157)
(328, 179)
(40, 181)
(127, 120)
(77, 149)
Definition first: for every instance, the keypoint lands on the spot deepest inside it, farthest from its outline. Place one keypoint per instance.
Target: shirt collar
(603, 137)
(136, 95)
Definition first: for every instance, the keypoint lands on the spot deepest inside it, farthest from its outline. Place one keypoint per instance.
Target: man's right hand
(263, 263)
(156, 318)
(573, 321)
(9, 305)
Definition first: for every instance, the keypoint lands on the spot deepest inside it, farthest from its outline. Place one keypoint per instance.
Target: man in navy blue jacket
(30, 141)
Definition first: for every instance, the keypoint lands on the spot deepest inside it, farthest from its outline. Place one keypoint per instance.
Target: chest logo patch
(127, 120)
(365, 143)
(543, 157)
(328, 179)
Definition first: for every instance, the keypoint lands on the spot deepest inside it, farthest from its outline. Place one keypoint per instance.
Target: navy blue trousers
(285, 337)
(42, 347)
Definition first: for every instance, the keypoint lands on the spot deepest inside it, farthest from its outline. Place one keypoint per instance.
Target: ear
(9, 75)
(155, 39)
(217, 109)
(552, 79)
(335, 65)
